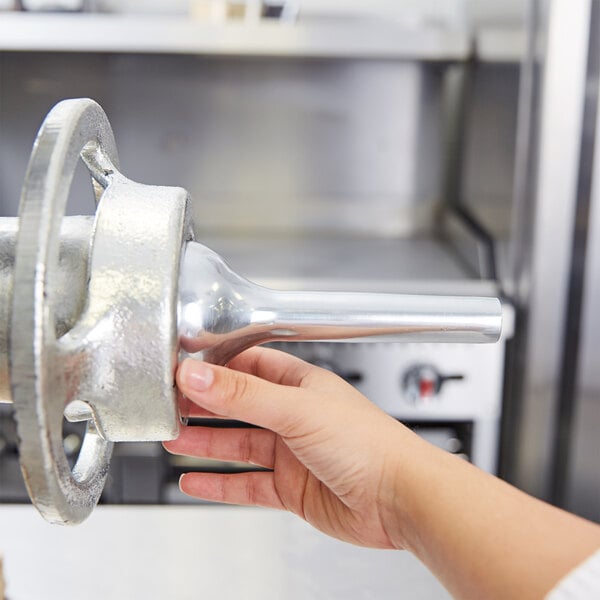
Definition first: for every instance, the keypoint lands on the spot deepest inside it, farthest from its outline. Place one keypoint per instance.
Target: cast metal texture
(114, 367)
(38, 383)
(69, 282)
(120, 357)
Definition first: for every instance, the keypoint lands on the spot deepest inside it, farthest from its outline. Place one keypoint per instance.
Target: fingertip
(182, 478)
(195, 376)
(167, 447)
(186, 481)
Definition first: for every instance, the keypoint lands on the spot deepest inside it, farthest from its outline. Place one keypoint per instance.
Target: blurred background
(390, 145)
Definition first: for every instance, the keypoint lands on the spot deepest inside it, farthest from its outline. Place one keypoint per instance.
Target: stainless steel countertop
(208, 552)
(407, 265)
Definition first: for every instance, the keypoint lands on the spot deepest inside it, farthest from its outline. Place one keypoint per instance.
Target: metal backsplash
(296, 145)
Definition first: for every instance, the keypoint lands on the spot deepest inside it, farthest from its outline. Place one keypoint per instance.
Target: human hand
(355, 473)
(329, 450)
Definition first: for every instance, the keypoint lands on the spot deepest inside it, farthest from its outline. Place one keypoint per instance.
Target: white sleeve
(582, 583)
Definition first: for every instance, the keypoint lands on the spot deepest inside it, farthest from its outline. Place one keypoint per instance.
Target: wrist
(402, 487)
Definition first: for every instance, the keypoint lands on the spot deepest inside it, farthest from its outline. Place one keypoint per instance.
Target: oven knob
(422, 383)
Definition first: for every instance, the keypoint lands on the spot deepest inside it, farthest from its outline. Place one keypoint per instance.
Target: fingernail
(198, 376)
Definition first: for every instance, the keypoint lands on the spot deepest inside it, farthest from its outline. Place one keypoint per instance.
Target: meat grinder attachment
(95, 312)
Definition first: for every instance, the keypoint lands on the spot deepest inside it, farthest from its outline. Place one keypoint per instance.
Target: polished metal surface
(97, 317)
(547, 174)
(375, 263)
(221, 313)
(298, 146)
(582, 485)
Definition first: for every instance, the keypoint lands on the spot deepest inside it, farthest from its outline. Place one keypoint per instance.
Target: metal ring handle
(73, 129)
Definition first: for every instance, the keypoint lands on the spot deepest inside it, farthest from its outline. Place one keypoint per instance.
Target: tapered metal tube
(221, 313)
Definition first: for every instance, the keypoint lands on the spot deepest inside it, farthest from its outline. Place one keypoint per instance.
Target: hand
(357, 474)
(328, 448)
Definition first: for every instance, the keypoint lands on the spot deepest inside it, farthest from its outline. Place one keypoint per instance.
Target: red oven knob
(422, 383)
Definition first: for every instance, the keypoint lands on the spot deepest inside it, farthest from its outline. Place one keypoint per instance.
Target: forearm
(480, 536)
(354, 472)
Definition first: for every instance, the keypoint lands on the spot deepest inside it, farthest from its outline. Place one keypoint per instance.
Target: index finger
(272, 365)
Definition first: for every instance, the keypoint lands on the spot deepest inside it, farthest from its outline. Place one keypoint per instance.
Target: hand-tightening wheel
(113, 366)
(97, 313)
(39, 385)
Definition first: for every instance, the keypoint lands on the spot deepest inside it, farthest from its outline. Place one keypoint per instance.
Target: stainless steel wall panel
(491, 127)
(542, 263)
(29, 85)
(582, 492)
(298, 145)
(286, 146)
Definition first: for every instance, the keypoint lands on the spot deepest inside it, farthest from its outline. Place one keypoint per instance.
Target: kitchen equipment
(92, 314)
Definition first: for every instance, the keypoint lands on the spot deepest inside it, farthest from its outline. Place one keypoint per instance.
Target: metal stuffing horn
(95, 312)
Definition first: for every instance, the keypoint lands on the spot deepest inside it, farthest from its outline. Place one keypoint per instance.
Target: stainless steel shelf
(349, 38)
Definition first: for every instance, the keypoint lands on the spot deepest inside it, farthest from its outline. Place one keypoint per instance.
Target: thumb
(244, 397)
